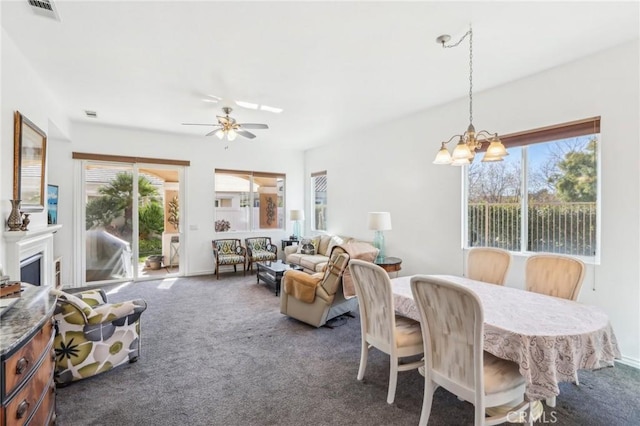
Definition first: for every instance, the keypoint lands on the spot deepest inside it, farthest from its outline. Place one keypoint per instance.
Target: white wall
(22, 90)
(388, 168)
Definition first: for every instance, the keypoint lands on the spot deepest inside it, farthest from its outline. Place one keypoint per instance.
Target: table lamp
(379, 221)
(296, 216)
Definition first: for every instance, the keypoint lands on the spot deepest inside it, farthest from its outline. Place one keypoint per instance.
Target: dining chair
(453, 334)
(488, 264)
(380, 327)
(554, 275)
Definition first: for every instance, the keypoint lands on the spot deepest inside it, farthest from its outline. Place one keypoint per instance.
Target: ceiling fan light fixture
(231, 135)
(220, 134)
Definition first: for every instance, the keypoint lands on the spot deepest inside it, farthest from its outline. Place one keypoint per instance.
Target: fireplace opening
(31, 269)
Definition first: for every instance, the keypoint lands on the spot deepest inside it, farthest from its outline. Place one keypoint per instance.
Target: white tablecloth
(549, 338)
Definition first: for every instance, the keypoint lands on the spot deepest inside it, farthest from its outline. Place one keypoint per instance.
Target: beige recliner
(315, 299)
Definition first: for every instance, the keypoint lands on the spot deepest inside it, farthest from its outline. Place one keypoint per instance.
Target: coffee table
(271, 273)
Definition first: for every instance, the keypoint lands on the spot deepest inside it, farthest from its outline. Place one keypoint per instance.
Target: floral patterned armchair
(228, 252)
(93, 336)
(260, 249)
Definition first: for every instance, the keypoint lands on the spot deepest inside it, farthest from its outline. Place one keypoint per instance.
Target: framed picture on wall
(52, 204)
(29, 155)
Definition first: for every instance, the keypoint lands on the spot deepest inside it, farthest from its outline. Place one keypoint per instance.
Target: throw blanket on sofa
(355, 250)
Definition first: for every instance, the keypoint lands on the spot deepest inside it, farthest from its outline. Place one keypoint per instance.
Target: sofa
(322, 245)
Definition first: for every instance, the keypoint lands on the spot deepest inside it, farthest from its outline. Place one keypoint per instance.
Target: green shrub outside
(149, 247)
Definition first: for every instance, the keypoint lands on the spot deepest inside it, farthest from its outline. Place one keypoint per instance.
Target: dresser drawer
(20, 364)
(45, 414)
(25, 402)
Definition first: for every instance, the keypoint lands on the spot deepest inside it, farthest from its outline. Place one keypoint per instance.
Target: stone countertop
(25, 317)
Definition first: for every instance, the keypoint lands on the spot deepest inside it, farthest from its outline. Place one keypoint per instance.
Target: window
(247, 201)
(319, 197)
(556, 168)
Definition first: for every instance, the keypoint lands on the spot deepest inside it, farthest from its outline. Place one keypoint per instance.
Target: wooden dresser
(26, 348)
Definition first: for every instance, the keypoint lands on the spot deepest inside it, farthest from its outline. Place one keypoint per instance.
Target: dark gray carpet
(220, 353)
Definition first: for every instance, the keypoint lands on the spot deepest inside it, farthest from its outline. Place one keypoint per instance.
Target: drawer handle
(22, 409)
(22, 365)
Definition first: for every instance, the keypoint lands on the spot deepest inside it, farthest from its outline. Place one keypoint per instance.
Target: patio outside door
(131, 227)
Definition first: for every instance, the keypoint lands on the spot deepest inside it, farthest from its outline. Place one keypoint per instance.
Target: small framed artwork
(52, 204)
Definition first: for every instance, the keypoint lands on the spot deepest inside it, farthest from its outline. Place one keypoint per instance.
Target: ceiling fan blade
(253, 126)
(199, 124)
(245, 133)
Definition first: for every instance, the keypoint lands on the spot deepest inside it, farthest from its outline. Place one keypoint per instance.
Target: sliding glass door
(131, 221)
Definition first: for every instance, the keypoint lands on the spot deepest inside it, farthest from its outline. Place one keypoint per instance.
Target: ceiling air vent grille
(44, 8)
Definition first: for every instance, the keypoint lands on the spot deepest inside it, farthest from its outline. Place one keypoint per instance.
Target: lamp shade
(380, 221)
(296, 214)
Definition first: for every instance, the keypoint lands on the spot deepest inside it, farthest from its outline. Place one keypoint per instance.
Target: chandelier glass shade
(470, 141)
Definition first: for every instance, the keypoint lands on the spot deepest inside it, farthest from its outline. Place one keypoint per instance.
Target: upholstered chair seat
(380, 327)
(260, 249)
(93, 336)
(452, 321)
(488, 264)
(554, 275)
(228, 252)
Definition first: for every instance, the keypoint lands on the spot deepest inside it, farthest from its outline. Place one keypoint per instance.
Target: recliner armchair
(93, 336)
(315, 299)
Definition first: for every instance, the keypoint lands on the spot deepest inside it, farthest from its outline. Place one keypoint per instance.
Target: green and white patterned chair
(228, 252)
(93, 336)
(260, 249)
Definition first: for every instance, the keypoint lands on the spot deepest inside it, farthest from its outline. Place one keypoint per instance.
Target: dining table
(548, 337)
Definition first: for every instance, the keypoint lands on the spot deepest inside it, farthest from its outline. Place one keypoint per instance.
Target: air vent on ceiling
(91, 114)
(44, 8)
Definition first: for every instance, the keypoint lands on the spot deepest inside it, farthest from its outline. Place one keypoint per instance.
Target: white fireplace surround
(21, 245)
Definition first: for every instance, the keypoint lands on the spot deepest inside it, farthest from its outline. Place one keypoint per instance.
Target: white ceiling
(332, 66)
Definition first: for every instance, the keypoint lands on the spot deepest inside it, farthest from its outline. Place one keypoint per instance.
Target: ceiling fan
(228, 127)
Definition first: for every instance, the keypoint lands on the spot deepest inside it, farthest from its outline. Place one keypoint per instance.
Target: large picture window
(248, 201)
(319, 197)
(543, 197)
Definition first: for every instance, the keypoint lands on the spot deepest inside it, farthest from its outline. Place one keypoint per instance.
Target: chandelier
(471, 140)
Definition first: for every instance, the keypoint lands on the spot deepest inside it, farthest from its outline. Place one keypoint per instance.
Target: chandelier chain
(449, 46)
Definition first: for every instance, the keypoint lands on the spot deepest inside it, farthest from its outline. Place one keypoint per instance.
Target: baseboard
(631, 362)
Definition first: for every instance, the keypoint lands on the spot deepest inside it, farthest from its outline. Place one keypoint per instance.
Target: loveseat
(322, 244)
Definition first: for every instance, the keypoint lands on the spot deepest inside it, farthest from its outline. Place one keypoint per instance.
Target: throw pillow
(307, 248)
(309, 245)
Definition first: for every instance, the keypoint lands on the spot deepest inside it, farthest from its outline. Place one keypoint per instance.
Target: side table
(389, 264)
(289, 242)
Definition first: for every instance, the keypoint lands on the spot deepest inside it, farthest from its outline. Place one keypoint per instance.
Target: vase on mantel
(14, 221)
(25, 222)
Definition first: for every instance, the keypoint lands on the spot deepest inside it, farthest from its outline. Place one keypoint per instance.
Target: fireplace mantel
(23, 244)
